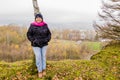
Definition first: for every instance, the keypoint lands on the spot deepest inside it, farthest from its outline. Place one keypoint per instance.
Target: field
(15, 46)
(102, 66)
(66, 59)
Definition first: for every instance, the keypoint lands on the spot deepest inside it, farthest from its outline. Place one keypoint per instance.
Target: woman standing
(39, 35)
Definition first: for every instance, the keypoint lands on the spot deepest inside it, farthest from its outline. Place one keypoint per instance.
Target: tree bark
(36, 11)
(36, 7)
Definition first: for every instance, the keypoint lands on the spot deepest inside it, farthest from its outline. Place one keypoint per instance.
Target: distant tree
(108, 25)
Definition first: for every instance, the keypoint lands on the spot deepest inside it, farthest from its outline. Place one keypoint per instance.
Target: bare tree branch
(110, 26)
(109, 14)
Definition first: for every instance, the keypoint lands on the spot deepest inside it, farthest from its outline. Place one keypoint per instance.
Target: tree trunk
(36, 11)
(36, 7)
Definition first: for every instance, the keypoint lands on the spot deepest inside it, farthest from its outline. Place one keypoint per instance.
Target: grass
(64, 70)
(66, 49)
(103, 66)
(96, 46)
(110, 56)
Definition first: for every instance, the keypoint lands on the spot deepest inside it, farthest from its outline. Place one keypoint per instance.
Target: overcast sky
(54, 11)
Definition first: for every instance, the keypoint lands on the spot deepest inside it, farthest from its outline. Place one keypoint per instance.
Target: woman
(39, 35)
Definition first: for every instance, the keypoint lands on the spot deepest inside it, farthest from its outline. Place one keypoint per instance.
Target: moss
(110, 56)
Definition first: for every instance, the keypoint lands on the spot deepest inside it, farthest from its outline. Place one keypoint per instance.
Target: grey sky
(54, 11)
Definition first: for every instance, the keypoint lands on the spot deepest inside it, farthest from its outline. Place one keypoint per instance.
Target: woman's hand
(36, 42)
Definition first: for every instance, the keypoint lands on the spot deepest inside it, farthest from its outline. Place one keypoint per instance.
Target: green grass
(103, 66)
(65, 70)
(110, 56)
(96, 46)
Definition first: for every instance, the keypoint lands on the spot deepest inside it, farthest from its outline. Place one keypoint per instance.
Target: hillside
(15, 45)
(102, 66)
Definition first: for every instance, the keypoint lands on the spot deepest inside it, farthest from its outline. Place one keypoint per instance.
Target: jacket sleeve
(48, 38)
(49, 35)
(30, 34)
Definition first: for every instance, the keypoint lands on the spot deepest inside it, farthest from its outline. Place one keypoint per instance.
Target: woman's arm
(30, 34)
(48, 38)
(49, 35)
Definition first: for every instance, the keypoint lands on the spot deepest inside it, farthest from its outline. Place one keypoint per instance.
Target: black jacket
(39, 35)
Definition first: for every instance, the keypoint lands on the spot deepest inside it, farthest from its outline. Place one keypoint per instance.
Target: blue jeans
(40, 56)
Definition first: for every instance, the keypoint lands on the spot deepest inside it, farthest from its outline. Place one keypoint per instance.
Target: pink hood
(38, 24)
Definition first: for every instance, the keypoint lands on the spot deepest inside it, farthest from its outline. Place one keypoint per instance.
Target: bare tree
(36, 7)
(108, 25)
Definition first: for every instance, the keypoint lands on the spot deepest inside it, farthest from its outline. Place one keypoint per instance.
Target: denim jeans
(40, 56)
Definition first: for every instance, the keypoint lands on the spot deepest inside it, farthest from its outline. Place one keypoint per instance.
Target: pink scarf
(38, 24)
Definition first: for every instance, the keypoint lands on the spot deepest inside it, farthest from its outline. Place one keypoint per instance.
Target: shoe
(44, 73)
(40, 74)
